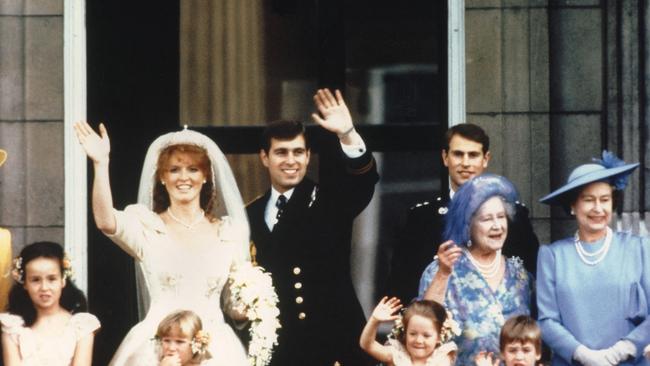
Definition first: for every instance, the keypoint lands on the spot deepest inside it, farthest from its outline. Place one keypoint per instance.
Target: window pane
(249, 61)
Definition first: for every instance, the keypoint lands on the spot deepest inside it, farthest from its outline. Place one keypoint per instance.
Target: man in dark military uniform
(466, 154)
(301, 231)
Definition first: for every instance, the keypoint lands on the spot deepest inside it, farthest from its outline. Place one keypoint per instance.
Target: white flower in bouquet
(253, 294)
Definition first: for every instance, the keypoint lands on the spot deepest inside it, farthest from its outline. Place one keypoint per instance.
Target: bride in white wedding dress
(187, 230)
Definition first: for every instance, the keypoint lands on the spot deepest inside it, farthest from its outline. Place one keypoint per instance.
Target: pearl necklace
(487, 270)
(599, 255)
(189, 226)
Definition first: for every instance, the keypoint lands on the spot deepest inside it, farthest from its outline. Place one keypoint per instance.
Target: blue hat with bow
(609, 169)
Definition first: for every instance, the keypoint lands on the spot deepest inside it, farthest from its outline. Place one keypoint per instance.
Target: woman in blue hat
(469, 275)
(593, 287)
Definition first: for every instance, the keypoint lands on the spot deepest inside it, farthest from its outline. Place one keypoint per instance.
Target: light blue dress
(479, 311)
(594, 305)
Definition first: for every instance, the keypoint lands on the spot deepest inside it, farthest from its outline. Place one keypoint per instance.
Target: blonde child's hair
(425, 308)
(521, 328)
(188, 324)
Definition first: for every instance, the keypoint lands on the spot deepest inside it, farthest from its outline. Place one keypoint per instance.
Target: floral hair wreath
(18, 272)
(448, 331)
(200, 342)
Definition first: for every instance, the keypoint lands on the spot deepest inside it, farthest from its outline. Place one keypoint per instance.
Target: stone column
(576, 93)
(31, 120)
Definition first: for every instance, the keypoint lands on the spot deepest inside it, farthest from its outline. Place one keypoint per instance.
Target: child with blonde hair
(422, 335)
(182, 340)
(520, 344)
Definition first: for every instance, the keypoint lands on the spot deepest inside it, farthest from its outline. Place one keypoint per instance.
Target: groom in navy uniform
(301, 231)
(465, 154)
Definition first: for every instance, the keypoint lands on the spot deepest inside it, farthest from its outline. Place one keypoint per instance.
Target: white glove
(646, 351)
(620, 351)
(589, 357)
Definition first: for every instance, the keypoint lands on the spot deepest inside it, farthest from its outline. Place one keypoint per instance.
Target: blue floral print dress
(478, 309)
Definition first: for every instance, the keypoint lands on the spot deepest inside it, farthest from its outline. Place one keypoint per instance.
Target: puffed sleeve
(84, 324)
(445, 354)
(553, 332)
(134, 226)
(640, 335)
(399, 353)
(13, 325)
(427, 277)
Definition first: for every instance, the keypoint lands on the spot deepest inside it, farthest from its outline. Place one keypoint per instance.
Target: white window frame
(456, 61)
(74, 102)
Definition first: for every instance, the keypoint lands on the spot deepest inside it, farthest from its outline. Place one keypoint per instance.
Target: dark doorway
(133, 88)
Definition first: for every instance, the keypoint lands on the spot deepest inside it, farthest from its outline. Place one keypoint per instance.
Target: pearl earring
(573, 212)
(469, 243)
(205, 181)
(162, 182)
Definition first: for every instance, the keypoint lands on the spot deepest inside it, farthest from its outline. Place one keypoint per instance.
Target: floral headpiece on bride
(18, 272)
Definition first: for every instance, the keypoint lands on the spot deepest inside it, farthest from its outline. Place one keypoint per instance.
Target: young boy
(520, 344)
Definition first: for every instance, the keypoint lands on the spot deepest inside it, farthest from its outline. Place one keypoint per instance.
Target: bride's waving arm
(97, 149)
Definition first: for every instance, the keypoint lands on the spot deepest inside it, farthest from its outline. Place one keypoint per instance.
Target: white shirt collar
(270, 212)
(275, 194)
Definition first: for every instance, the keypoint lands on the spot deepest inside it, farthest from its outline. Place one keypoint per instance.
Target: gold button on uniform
(302, 316)
(297, 285)
(299, 300)
(296, 270)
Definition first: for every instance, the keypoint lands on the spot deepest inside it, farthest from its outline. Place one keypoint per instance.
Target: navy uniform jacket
(422, 234)
(308, 255)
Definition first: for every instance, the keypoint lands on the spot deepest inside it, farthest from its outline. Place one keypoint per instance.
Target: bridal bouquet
(251, 289)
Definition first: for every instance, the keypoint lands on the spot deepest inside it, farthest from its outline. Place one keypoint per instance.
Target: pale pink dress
(37, 350)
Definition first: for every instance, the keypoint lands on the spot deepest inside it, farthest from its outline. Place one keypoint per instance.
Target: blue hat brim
(559, 196)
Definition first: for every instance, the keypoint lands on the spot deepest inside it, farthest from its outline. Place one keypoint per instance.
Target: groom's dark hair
(283, 130)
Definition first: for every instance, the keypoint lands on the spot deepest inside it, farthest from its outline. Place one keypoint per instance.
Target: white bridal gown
(178, 276)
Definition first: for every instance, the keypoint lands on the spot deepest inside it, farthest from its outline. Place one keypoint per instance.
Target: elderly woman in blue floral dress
(469, 275)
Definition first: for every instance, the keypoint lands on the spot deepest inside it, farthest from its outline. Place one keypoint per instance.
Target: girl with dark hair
(421, 336)
(46, 323)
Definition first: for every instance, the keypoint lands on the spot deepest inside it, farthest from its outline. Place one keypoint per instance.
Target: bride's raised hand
(97, 147)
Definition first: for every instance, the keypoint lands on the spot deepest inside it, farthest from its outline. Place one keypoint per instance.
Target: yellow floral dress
(5, 267)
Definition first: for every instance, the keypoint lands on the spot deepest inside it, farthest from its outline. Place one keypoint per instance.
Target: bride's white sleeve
(133, 228)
